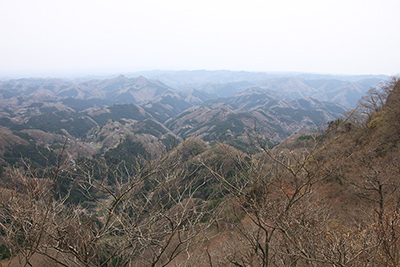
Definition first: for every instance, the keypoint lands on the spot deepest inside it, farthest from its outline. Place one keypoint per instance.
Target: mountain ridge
(75, 110)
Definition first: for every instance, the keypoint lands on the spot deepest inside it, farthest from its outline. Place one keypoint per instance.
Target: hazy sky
(56, 38)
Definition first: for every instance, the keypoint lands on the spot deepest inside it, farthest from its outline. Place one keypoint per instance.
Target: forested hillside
(251, 179)
(99, 115)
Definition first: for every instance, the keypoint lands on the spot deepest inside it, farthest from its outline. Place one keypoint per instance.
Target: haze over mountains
(212, 105)
(343, 89)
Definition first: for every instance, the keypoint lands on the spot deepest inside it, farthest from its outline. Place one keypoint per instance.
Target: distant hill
(343, 89)
(116, 90)
(194, 96)
(100, 114)
(231, 118)
(343, 92)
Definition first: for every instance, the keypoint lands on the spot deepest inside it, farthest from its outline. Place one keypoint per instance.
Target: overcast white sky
(60, 38)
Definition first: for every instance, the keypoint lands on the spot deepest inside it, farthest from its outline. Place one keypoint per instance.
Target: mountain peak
(121, 78)
(141, 79)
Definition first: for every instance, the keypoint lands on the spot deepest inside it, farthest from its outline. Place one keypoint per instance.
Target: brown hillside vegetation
(328, 198)
(332, 201)
(8, 140)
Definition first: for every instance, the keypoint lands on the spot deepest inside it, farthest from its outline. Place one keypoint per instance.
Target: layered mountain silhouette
(104, 111)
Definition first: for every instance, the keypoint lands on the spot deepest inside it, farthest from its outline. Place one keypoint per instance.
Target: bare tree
(279, 215)
(143, 214)
(267, 190)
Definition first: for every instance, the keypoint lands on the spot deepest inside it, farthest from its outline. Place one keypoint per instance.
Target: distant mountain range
(345, 90)
(117, 90)
(100, 113)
